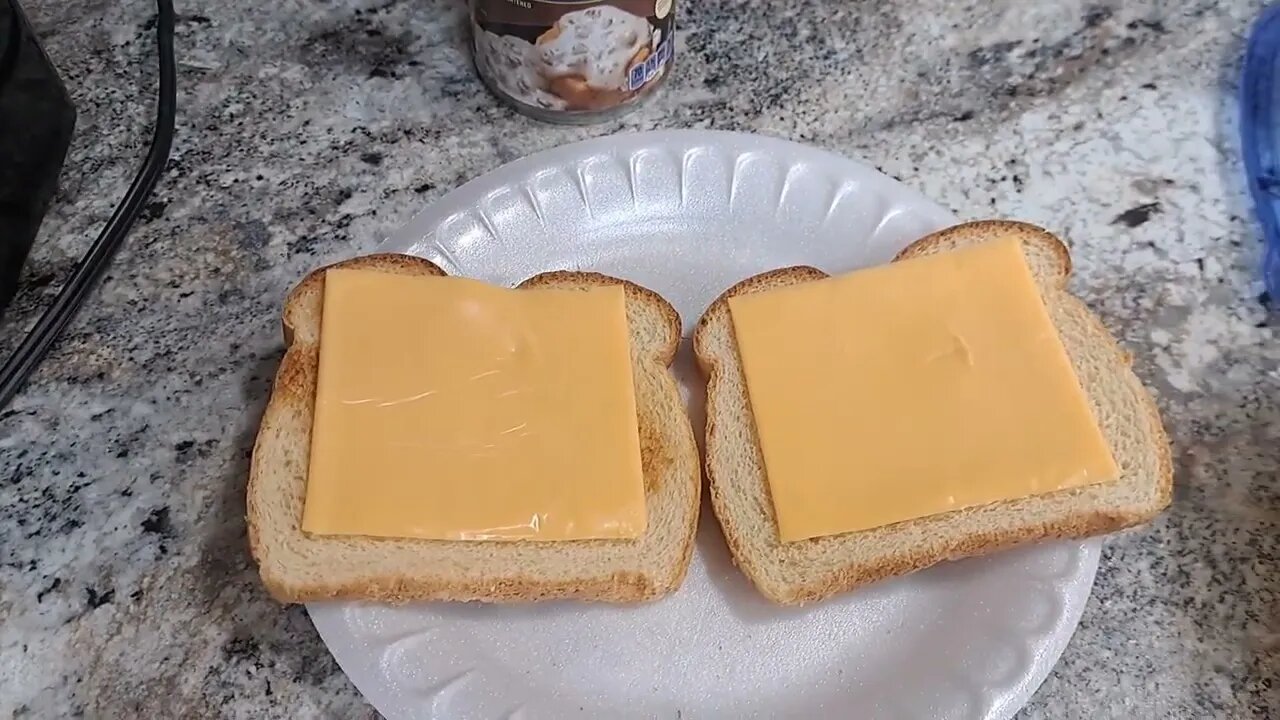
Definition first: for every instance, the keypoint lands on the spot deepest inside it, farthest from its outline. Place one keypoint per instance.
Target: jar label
(572, 56)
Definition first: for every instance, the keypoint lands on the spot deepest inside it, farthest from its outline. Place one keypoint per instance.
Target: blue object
(1260, 137)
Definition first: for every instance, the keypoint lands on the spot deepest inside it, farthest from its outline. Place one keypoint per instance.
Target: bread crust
(294, 390)
(908, 559)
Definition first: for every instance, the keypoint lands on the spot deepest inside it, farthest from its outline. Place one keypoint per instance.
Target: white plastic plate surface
(689, 213)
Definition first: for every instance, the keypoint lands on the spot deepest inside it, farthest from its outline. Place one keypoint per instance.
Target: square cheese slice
(450, 409)
(912, 389)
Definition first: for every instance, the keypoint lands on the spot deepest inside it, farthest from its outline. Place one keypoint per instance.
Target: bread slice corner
(810, 570)
(300, 567)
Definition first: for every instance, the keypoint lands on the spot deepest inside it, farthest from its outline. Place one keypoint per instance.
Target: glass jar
(569, 61)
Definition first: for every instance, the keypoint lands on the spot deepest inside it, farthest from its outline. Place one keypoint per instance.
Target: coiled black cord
(36, 345)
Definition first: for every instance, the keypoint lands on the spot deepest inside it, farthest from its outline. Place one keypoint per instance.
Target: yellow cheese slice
(912, 389)
(450, 409)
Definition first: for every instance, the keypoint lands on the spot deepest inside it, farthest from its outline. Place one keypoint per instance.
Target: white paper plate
(688, 213)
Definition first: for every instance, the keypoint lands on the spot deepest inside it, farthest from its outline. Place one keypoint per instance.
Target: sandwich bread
(300, 567)
(810, 570)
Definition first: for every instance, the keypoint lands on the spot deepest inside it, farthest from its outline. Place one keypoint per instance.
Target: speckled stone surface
(308, 131)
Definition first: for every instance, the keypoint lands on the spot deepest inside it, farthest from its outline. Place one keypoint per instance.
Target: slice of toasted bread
(298, 567)
(808, 570)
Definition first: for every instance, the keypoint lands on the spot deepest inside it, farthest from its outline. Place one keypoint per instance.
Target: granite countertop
(308, 131)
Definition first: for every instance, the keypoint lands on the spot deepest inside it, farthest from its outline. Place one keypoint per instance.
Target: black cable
(36, 345)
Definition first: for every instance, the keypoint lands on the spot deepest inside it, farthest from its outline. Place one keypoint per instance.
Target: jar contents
(573, 62)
